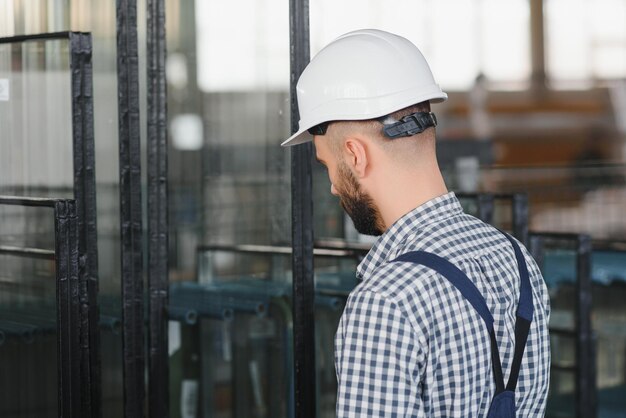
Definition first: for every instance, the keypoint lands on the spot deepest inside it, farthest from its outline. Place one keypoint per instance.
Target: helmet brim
(300, 137)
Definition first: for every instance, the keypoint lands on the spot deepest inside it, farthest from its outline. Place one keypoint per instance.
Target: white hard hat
(364, 74)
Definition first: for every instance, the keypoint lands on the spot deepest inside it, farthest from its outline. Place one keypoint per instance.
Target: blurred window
(585, 41)
(459, 38)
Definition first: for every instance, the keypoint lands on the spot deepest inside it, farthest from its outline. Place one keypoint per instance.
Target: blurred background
(537, 106)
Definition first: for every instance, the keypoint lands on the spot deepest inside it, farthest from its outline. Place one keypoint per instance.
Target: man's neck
(407, 192)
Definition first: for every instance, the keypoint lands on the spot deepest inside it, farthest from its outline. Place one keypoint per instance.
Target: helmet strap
(409, 125)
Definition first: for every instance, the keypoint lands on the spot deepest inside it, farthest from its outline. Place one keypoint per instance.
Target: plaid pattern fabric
(408, 343)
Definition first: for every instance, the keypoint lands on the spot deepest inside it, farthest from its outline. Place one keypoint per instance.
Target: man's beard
(358, 205)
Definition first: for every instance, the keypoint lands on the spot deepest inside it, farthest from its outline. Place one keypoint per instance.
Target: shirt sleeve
(376, 355)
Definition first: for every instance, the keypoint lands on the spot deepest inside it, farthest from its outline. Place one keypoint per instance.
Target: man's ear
(356, 155)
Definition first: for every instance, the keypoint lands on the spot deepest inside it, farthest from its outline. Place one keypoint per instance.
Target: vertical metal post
(63, 294)
(78, 327)
(85, 196)
(158, 378)
(536, 248)
(68, 310)
(520, 217)
(130, 209)
(585, 372)
(302, 224)
(537, 45)
(485, 207)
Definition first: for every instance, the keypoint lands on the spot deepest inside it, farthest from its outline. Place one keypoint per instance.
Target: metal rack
(585, 367)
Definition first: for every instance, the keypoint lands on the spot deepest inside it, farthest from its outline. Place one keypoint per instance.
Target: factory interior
(158, 254)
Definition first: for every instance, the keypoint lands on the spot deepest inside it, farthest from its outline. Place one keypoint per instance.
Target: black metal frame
(73, 322)
(585, 368)
(130, 209)
(80, 48)
(85, 196)
(302, 225)
(520, 217)
(158, 369)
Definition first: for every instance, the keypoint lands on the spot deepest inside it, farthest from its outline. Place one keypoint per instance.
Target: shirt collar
(435, 210)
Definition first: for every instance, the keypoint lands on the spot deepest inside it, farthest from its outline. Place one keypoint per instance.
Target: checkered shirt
(410, 345)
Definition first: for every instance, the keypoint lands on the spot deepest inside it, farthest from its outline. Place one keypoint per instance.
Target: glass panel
(229, 109)
(226, 344)
(35, 119)
(561, 397)
(35, 160)
(559, 272)
(330, 221)
(609, 324)
(28, 343)
(27, 227)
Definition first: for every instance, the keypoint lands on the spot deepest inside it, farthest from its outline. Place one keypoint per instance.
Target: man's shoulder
(393, 280)
(452, 237)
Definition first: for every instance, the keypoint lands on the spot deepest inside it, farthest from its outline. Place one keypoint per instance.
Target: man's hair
(373, 128)
(420, 107)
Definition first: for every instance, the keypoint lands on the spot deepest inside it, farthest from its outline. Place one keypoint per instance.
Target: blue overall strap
(469, 291)
(524, 315)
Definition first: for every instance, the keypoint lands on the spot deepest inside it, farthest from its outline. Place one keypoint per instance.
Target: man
(411, 342)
